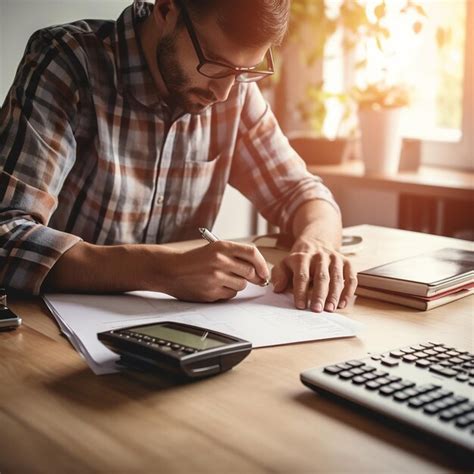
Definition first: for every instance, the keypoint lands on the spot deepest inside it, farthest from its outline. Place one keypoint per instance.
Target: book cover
(421, 303)
(423, 275)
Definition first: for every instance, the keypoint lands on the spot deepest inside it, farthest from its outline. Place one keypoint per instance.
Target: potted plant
(315, 146)
(367, 39)
(380, 109)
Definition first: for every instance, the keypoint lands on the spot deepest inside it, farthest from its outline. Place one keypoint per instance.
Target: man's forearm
(317, 220)
(116, 268)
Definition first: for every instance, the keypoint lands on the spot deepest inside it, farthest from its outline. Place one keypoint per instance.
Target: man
(117, 137)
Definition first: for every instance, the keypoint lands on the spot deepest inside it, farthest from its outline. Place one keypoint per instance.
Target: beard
(193, 100)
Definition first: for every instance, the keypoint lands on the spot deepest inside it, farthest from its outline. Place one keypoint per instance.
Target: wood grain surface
(57, 416)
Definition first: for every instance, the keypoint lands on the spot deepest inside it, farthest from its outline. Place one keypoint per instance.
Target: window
(435, 64)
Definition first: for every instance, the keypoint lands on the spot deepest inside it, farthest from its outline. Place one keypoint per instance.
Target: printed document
(256, 314)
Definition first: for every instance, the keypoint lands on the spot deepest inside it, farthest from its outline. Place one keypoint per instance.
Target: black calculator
(181, 349)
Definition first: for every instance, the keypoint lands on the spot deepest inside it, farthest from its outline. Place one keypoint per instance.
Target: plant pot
(381, 140)
(321, 151)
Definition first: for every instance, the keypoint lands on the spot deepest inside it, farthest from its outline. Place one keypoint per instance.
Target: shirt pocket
(201, 189)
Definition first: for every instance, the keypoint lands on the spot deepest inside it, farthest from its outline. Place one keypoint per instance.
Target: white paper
(256, 314)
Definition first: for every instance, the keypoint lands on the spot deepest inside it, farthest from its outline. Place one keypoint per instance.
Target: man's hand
(217, 271)
(321, 277)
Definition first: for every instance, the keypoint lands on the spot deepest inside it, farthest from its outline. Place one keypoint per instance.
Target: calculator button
(401, 396)
(464, 421)
(175, 346)
(447, 415)
(166, 349)
(432, 408)
(397, 354)
(438, 369)
(391, 362)
(346, 375)
(416, 402)
(372, 385)
(427, 388)
(383, 381)
(411, 392)
(188, 350)
(369, 376)
(344, 366)
(396, 386)
(332, 369)
(354, 363)
(387, 390)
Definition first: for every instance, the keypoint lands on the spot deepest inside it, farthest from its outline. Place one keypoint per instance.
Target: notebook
(423, 303)
(427, 274)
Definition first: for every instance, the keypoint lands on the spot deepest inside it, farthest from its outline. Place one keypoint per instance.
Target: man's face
(177, 60)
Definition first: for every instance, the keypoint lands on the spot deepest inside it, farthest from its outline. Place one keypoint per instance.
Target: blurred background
(341, 57)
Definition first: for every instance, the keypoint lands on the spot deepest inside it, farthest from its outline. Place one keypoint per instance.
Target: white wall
(20, 18)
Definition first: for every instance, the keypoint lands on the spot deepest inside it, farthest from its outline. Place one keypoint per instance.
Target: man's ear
(165, 11)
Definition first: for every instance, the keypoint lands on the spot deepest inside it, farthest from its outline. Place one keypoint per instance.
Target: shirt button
(160, 199)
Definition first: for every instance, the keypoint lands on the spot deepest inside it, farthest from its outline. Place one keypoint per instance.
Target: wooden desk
(57, 416)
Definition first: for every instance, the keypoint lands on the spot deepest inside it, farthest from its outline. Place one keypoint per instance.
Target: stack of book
(422, 282)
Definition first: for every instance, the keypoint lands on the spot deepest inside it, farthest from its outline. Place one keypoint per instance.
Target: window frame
(458, 154)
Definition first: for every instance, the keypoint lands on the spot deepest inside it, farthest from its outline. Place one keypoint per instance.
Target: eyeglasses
(219, 70)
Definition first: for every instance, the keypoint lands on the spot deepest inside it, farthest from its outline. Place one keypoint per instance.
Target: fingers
(320, 282)
(301, 279)
(225, 286)
(281, 277)
(243, 269)
(350, 284)
(294, 268)
(326, 280)
(250, 254)
(336, 283)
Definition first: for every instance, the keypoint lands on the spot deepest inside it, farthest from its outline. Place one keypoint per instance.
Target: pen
(210, 237)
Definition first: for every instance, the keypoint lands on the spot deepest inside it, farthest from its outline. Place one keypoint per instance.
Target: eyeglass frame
(236, 70)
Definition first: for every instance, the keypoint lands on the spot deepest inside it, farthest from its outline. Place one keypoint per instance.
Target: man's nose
(221, 87)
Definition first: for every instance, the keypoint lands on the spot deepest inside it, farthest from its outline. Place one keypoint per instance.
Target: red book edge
(466, 286)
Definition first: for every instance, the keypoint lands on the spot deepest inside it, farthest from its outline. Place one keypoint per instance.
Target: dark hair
(250, 23)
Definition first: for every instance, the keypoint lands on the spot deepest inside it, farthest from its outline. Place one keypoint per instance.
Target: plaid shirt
(88, 150)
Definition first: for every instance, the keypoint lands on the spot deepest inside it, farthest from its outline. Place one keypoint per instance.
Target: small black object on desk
(8, 319)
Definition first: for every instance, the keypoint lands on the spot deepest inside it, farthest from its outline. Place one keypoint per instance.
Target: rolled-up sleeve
(37, 151)
(267, 170)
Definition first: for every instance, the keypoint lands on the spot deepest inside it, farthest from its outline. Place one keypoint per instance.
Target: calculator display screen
(199, 341)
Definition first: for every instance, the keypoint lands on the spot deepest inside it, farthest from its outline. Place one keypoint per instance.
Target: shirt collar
(134, 75)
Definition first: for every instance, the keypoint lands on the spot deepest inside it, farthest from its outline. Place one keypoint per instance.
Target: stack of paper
(257, 315)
